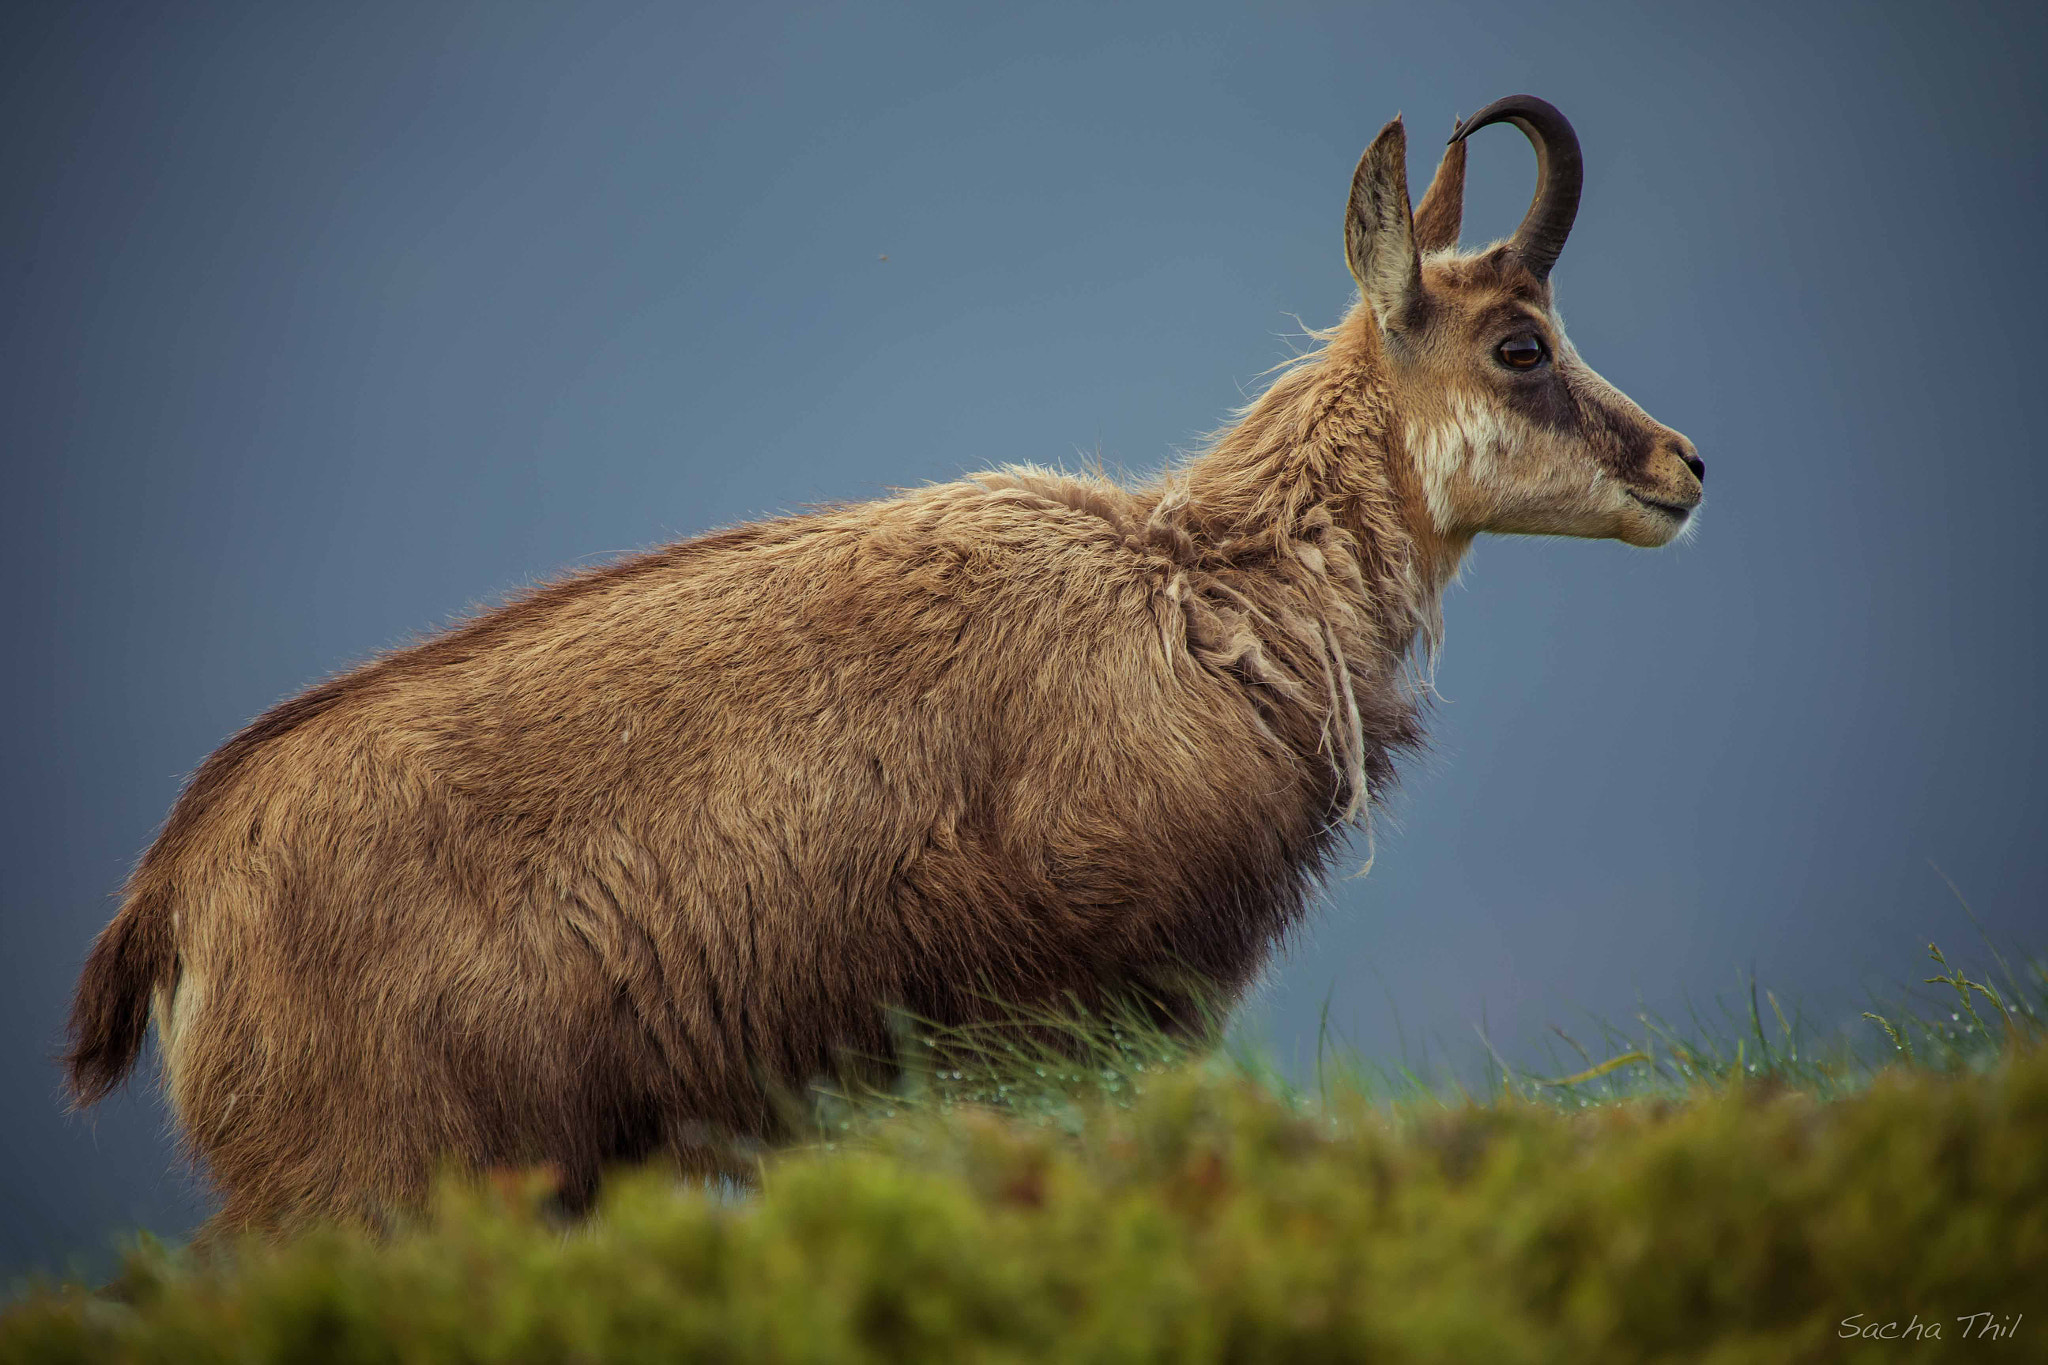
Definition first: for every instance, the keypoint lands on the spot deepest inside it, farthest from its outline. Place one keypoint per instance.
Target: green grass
(1086, 1191)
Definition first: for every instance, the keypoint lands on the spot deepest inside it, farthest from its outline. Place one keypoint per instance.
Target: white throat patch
(1471, 441)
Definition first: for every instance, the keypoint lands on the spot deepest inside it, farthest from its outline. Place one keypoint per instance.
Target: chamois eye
(1520, 353)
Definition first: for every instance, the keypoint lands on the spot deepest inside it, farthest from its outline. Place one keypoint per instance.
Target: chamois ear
(1442, 210)
(1379, 231)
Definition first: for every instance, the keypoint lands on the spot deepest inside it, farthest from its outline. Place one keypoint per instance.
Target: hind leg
(296, 1111)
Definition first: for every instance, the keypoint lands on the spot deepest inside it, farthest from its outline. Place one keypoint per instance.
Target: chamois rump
(590, 878)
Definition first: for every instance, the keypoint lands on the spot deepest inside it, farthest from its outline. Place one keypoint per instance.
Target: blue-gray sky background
(325, 324)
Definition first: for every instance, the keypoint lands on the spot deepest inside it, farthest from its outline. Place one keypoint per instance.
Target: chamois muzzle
(1560, 172)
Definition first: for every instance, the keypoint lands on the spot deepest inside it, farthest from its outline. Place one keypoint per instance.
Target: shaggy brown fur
(588, 878)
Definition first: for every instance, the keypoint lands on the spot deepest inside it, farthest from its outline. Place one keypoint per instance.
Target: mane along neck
(1323, 441)
(1296, 554)
(1321, 570)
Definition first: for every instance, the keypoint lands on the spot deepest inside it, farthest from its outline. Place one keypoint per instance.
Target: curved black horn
(1559, 175)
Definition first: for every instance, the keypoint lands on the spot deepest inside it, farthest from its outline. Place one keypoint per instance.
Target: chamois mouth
(1678, 511)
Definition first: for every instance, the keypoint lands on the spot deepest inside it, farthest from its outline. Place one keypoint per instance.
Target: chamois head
(1509, 430)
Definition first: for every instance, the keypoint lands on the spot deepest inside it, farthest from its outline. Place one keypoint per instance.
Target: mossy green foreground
(1206, 1218)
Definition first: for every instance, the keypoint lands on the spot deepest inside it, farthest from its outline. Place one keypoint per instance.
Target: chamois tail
(131, 958)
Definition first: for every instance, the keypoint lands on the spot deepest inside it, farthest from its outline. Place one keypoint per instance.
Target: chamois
(594, 876)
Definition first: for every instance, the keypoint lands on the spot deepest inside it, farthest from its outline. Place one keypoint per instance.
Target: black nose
(1694, 463)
